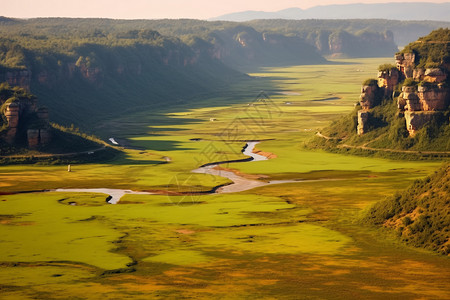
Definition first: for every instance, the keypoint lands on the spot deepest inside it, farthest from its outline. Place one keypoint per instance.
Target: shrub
(386, 67)
(370, 82)
(407, 221)
(410, 82)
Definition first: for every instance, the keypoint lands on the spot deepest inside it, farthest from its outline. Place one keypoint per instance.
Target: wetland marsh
(299, 239)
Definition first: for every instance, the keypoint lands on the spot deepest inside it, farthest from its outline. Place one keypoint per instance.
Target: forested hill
(221, 40)
(86, 69)
(83, 79)
(419, 215)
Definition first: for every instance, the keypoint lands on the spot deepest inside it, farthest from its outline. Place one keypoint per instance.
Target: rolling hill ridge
(392, 10)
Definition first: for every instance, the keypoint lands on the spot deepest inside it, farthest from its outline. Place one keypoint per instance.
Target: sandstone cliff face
(21, 113)
(12, 111)
(415, 120)
(38, 137)
(420, 103)
(20, 78)
(405, 63)
(432, 98)
(387, 80)
(416, 103)
(368, 96)
(341, 42)
(368, 100)
(363, 118)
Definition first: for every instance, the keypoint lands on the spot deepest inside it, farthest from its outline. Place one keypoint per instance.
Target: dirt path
(364, 147)
(55, 155)
(394, 150)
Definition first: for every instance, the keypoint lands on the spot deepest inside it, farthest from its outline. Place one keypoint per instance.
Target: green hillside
(409, 104)
(419, 215)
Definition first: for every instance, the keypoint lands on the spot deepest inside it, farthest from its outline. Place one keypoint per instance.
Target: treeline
(420, 215)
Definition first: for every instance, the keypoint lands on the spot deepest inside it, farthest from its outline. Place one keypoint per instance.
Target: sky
(157, 9)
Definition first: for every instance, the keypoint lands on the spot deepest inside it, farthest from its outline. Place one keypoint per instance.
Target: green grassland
(287, 241)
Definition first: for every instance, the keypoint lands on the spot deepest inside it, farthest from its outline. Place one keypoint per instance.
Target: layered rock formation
(363, 118)
(21, 78)
(368, 98)
(405, 63)
(418, 102)
(388, 79)
(12, 111)
(24, 121)
(40, 135)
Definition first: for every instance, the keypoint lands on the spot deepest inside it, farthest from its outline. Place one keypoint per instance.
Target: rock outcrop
(387, 80)
(370, 93)
(368, 98)
(38, 137)
(21, 78)
(418, 102)
(343, 43)
(24, 121)
(433, 98)
(12, 111)
(406, 63)
(363, 118)
(415, 120)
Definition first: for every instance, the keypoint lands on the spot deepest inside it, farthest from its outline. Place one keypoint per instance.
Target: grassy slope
(420, 215)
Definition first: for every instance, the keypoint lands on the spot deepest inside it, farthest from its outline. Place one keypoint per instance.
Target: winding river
(239, 184)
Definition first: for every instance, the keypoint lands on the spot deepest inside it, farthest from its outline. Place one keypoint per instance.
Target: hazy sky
(156, 9)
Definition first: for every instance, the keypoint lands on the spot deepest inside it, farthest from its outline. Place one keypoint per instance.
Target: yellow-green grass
(294, 240)
(41, 229)
(45, 227)
(292, 158)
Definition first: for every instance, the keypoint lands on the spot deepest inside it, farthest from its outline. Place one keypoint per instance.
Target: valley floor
(293, 240)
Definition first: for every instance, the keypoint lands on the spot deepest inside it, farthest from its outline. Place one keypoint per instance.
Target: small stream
(239, 184)
(114, 194)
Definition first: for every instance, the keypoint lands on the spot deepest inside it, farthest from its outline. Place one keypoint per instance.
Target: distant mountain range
(392, 11)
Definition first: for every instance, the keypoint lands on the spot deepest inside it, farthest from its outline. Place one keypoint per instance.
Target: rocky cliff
(243, 46)
(22, 121)
(407, 106)
(20, 78)
(424, 90)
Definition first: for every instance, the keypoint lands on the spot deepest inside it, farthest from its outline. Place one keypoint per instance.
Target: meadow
(287, 241)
